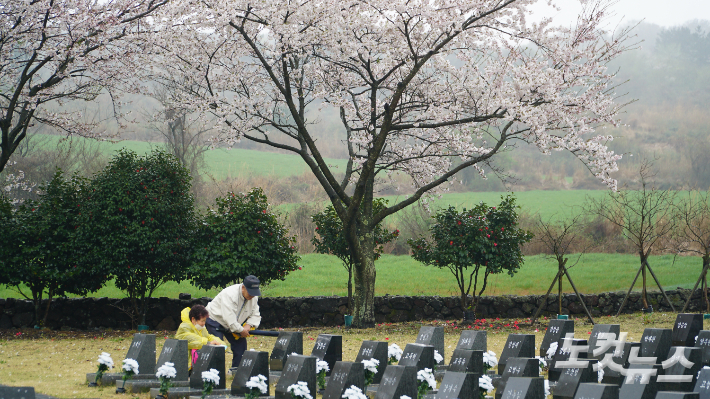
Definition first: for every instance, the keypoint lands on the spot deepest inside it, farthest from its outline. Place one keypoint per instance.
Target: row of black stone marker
(518, 372)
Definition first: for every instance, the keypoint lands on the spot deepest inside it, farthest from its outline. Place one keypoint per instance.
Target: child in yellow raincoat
(193, 330)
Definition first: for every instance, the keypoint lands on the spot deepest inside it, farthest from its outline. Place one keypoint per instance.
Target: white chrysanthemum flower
(105, 359)
(547, 388)
(486, 383)
(404, 397)
(490, 359)
(259, 382)
(300, 390)
(167, 370)
(211, 375)
(600, 375)
(371, 365)
(322, 365)
(428, 376)
(552, 350)
(394, 351)
(130, 365)
(353, 393)
(437, 357)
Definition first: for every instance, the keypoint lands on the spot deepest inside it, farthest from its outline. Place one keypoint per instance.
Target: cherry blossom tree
(54, 52)
(423, 88)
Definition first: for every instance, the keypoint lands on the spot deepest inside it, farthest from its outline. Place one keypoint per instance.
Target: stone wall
(164, 313)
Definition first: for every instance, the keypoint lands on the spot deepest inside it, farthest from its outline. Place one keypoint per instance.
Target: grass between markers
(56, 362)
(323, 275)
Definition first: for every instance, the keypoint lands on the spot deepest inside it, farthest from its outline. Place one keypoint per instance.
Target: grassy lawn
(401, 275)
(222, 163)
(57, 362)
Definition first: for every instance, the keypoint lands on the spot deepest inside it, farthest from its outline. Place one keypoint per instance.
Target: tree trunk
(50, 294)
(365, 275)
(350, 289)
(706, 261)
(643, 282)
(559, 289)
(37, 302)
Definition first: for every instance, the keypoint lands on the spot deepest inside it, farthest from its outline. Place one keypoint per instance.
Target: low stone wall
(164, 313)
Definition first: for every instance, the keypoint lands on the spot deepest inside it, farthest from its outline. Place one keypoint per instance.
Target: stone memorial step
(703, 342)
(108, 379)
(286, 343)
(458, 385)
(656, 342)
(343, 376)
(517, 345)
(563, 354)
(473, 340)
(329, 348)
(677, 395)
(434, 336)
(143, 386)
(17, 392)
(621, 358)
(556, 330)
(524, 388)
(516, 367)
(466, 361)
(374, 350)
(687, 326)
(253, 363)
(186, 392)
(418, 356)
(175, 351)
(571, 378)
(677, 370)
(297, 368)
(398, 381)
(209, 357)
(593, 390)
(594, 336)
(702, 385)
(637, 388)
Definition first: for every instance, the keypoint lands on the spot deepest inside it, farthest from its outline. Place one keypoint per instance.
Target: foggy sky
(660, 12)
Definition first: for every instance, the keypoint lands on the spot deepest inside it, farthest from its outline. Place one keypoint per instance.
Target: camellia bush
(470, 242)
(239, 238)
(40, 258)
(139, 224)
(331, 239)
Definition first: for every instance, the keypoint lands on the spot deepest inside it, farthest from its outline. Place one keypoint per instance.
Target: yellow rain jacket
(195, 338)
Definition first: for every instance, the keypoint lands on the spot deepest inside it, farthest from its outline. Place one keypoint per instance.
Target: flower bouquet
(258, 387)
(210, 379)
(370, 370)
(165, 373)
(105, 363)
(321, 369)
(394, 353)
(130, 368)
(299, 391)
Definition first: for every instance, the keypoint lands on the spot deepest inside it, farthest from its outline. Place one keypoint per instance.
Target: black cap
(251, 283)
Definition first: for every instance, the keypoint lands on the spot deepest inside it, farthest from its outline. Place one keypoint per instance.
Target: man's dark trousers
(239, 346)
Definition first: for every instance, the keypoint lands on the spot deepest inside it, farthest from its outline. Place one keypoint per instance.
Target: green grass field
(401, 275)
(222, 163)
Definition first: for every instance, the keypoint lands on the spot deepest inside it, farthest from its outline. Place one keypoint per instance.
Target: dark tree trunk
(350, 289)
(50, 295)
(644, 299)
(706, 262)
(365, 275)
